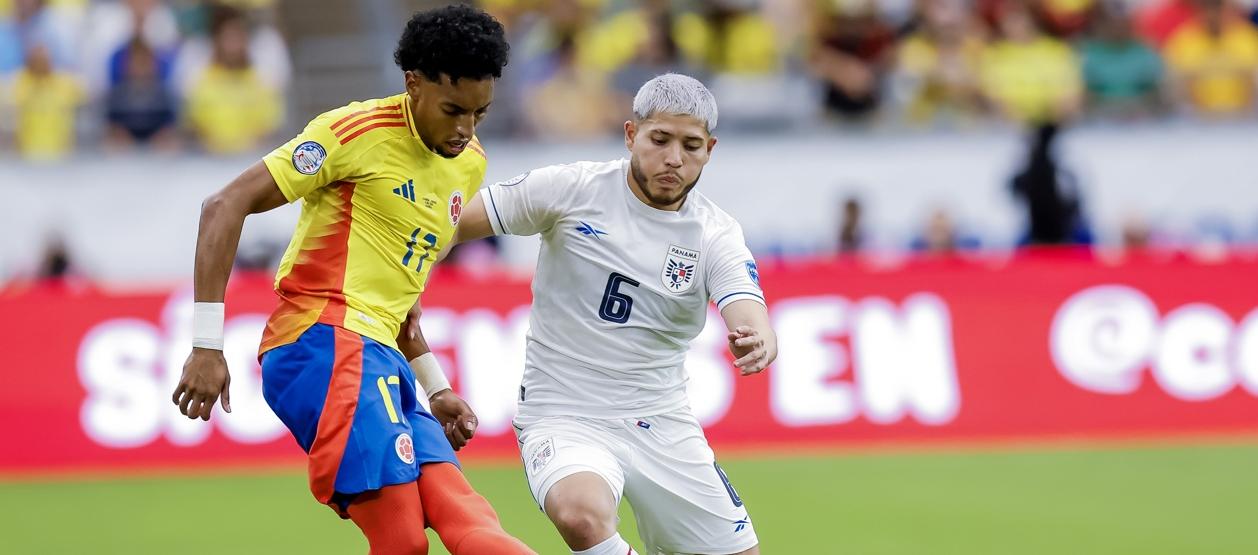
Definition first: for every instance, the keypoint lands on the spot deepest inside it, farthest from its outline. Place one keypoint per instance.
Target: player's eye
(659, 141)
(692, 147)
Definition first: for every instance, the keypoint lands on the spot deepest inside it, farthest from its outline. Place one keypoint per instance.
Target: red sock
(464, 520)
(392, 519)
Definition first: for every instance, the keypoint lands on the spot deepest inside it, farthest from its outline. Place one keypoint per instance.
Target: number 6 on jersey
(616, 306)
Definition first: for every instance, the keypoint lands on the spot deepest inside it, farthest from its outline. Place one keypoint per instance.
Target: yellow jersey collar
(405, 101)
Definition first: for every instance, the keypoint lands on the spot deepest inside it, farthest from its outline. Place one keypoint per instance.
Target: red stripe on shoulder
(365, 119)
(395, 107)
(346, 139)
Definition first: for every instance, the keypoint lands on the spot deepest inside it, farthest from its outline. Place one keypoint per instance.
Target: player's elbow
(213, 207)
(220, 205)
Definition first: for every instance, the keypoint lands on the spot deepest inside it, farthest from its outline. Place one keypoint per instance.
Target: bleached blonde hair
(674, 93)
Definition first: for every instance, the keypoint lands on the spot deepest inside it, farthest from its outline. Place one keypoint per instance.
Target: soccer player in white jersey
(630, 259)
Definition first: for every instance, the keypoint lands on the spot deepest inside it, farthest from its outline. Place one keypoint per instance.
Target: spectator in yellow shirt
(230, 107)
(731, 37)
(727, 36)
(1214, 61)
(45, 101)
(571, 105)
(938, 69)
(1030, 77)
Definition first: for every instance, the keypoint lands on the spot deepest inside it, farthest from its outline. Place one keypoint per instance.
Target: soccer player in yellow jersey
(382, 184)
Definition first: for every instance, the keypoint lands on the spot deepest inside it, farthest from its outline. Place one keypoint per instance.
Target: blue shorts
(351, 404)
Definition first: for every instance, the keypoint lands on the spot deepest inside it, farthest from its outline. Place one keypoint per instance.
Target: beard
(659, 199)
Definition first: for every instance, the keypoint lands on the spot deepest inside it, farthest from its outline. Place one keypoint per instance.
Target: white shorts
(681, 498)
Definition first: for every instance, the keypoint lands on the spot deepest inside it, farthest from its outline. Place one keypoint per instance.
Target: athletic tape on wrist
(428, 371)
(207, 325)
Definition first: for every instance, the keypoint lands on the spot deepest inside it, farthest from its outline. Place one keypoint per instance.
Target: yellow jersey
(1218, 70)
(232, 110)
(46, 107)
(1032, 81)
(377, 207)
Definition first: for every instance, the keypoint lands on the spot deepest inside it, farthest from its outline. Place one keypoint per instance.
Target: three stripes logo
(406, 190)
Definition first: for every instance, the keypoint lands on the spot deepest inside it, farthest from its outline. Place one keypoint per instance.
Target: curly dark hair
(458, 40)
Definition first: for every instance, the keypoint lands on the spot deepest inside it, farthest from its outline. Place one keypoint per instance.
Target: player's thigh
(682, 499)
(345, 398)
(383, 446)
(295, 380)
(553, 449)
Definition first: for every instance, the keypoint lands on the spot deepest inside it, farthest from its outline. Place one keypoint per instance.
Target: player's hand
(455, 416)
(204, 379)
(748, 348)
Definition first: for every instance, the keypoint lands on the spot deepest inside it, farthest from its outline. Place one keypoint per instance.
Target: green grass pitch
(1080, 500)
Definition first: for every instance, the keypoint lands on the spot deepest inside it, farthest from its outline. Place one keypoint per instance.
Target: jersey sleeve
(311, 160)
(733, 274)
(530, 203)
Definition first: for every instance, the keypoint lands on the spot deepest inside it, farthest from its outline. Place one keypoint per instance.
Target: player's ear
(711, 144)
(630, 131)
(412, 84)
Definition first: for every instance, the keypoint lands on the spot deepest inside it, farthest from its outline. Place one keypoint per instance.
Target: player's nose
(465, 127)
(673, 157)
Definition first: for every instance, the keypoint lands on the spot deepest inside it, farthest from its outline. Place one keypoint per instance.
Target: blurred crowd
(212, 76)
(931, 63)
(152, 74)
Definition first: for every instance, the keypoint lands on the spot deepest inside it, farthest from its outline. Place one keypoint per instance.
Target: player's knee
(582, 526)
(407, 542)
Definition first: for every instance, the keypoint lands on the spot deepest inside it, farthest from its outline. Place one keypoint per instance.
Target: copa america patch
(308, 157)
(456, 207)
(542, 455)
(515, 180)
(680, 267)
(753, 272)
(405, 448)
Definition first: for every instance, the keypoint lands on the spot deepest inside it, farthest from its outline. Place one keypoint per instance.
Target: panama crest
(680, 267)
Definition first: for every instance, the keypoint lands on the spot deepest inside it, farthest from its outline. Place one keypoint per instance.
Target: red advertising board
(1038, 345)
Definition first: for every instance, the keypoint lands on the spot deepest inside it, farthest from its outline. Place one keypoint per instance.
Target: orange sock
(464, 520)
(392, 519)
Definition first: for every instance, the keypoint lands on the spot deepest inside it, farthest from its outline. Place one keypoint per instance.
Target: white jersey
(620, 288)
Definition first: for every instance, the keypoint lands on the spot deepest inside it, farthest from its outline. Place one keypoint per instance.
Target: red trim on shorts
(337, 418)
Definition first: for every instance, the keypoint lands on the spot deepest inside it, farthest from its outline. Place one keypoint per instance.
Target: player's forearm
(222, 218)
(218, 237)
(413, 345)
(424, 365)
(754, 315)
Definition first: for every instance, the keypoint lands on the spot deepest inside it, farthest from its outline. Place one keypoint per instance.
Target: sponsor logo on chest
(680, 266)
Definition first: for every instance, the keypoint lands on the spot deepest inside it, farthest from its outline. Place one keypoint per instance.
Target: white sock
(614, 545)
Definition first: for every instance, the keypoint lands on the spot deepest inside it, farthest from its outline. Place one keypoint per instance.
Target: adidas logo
(407, 190)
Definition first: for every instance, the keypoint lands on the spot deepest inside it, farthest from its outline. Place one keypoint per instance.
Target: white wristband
(207, 325)
(428, 371)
